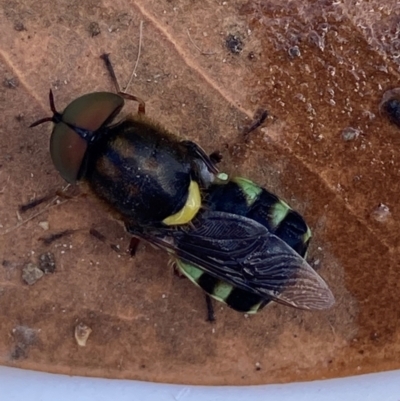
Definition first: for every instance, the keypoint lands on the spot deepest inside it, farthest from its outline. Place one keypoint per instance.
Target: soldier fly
(241, 244)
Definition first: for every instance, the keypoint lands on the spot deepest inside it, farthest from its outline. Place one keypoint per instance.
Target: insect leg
(142, 106)
(36, 202)
(56, 236)
(98, 235)
(216, 157)
(259, 119)
(197, 152)
(133, 245)
(210, 309)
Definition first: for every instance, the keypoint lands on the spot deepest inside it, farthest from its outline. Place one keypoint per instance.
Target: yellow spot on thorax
(190, 208)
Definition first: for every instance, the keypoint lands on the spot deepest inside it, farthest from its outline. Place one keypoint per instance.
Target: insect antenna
(57, 117)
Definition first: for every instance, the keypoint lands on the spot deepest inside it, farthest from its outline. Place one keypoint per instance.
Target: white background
(24, 385)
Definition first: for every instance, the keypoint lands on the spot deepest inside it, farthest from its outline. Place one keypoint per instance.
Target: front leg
(210, 309)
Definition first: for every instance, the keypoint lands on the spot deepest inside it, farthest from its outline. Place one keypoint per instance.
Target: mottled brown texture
(319, 68)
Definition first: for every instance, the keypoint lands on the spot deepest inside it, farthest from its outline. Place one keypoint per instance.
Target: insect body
(245, 198)
(237, 241)
(246, 248)
(146, 174)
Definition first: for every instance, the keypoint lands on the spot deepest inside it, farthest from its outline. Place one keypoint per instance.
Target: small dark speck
(24, 337)
(94, 29)
(11, 83)
(19, 117)
(294, 52)
(18, 353)
(6, 263)
(258, 368)
(234, 44)
(390, 106)
(19, 26)
(252, 56)
(47, 263)
(143, 366)
(374, 336)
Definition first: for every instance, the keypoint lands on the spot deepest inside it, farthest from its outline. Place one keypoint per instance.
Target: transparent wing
(244, 253)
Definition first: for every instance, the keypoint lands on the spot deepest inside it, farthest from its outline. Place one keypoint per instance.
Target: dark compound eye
(67, 150)
(88, 113)
(93, 110)
(390, 105)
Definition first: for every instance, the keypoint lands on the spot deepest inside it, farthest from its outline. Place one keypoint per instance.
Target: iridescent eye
(87, 113)
(67, 150)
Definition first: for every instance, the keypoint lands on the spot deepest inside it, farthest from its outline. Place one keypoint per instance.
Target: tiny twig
(138, 57)
(197, 47)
